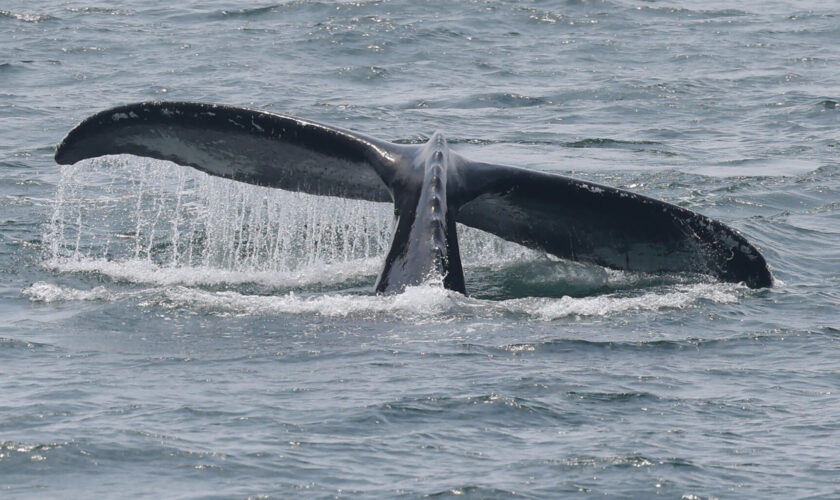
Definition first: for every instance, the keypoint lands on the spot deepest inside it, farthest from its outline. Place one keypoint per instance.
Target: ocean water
(164, 334)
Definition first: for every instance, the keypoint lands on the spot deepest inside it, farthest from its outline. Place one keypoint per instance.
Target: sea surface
(164, 334)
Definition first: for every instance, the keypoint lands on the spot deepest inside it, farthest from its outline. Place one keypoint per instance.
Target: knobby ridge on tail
(431, 187)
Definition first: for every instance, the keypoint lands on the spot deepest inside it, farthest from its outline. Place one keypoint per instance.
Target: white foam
(424, 301)
(671, 297)
(144, 271)
(48, 292)
(431, 301)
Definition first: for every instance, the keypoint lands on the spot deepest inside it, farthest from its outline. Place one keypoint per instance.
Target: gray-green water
(164, 334)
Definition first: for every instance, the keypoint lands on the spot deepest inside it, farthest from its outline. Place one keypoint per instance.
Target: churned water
(164, 334)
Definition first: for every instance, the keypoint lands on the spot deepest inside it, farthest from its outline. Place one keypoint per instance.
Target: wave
(599, 142)
(9, 343)
(251, 12)
(26, 17)
(829, 104)
(48, 292)
(23, 452)
(427, 302)
(502, 100)
(679, 12)
(566, 345)
(101, 10)
(673, 297)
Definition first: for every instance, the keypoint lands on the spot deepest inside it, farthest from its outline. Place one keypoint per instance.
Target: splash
(48, 292)
(432, 301)
(175, 231)
(418, 304)
(143, 220)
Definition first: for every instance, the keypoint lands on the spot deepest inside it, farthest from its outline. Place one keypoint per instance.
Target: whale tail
(565, 217)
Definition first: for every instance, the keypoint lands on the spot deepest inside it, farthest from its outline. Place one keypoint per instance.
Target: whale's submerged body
(431, 187)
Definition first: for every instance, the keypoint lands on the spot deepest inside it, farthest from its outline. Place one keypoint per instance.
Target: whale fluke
(431, 187)
(240, 144)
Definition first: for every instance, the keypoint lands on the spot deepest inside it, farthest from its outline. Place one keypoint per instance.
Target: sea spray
(157, 218)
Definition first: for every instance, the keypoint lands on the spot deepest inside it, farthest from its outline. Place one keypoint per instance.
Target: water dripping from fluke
(138, 220)
(182, 239)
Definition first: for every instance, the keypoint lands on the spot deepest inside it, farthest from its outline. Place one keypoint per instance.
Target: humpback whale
(432, 188)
